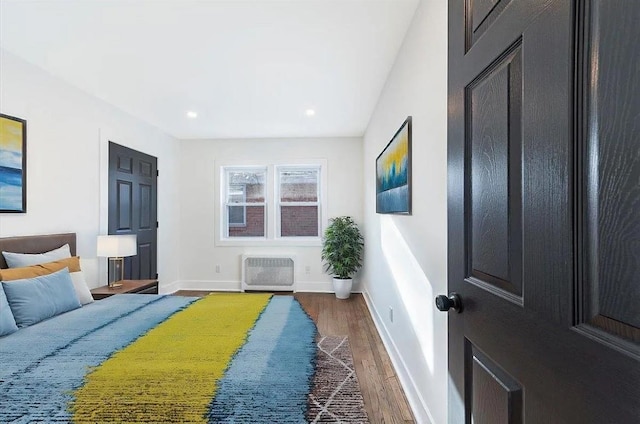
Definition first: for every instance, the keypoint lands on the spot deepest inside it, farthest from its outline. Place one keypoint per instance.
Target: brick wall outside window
(299, 221)
(255, 224)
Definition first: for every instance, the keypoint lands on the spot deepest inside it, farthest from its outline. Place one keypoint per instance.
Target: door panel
(146, 211)
(544, 210)
(610, 153)
(493, 114)
(124, 218)
(493, 396)
(124, 164)
(146, 168)
(146, 259)
(133, 206)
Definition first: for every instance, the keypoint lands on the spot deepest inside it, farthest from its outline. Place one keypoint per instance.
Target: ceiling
(249, 69)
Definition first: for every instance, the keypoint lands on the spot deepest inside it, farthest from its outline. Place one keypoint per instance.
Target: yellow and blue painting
(393, 173)
(12, 164)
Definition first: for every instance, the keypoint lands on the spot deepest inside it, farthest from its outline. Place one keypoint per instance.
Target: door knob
(444, 303)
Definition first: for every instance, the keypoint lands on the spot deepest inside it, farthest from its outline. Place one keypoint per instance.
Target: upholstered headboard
(36, 244)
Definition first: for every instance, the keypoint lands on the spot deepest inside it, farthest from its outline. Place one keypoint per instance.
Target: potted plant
(342, 253)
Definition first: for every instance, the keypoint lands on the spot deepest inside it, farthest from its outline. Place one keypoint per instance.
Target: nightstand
(128, 286)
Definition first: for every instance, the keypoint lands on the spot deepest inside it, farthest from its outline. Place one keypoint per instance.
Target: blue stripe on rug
(43, 364)
(269, 379)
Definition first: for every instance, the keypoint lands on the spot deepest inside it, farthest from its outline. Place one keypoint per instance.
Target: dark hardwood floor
(383, 396)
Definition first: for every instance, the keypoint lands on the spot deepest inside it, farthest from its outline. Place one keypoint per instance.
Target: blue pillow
(7, 322)
(35, 299)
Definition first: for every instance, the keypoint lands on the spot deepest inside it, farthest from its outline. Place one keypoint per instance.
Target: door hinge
(156, 276)
(157, 172)
(157, 224)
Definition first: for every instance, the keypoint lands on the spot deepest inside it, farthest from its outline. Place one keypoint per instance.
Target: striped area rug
(228, 358)
(244, 358)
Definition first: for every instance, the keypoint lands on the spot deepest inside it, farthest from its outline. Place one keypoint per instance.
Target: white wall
(406, 256)
(67, 151)
(199, 179)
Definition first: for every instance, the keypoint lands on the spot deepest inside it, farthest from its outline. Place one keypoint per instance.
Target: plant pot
(342, 287)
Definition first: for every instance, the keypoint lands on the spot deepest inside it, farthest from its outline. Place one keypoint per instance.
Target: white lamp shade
(117, 246)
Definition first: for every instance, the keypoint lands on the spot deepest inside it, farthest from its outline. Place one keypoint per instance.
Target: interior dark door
(133, 186)
(544, 211)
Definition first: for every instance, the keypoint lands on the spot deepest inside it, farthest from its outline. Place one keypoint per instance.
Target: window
(272, 204)
(244, 205)
(298, 205)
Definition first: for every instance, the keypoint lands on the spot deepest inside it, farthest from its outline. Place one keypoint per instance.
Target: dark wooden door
(544, 211)
(133, 187)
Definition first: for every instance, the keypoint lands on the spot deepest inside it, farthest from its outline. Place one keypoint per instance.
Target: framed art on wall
(393, 173)
(13, 164)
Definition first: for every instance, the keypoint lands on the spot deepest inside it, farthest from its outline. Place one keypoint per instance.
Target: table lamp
(116, 247)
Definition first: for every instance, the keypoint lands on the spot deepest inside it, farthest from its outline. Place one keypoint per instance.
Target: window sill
(261, 242)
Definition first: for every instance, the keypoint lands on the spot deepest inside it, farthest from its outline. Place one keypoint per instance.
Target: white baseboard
(235, 286)
(416, 402)
(314, 287)
(169, 288)
(217, 285)
(210, 285)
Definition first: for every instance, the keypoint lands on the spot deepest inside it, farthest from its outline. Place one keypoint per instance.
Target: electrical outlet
(217, 268)
(307, 269)
(390, 314)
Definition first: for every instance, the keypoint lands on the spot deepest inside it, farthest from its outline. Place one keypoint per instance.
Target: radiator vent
(272, 273)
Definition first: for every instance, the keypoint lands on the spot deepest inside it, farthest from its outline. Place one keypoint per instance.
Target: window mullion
(299, 203)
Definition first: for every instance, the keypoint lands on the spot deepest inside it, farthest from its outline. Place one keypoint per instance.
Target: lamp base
(116, 270)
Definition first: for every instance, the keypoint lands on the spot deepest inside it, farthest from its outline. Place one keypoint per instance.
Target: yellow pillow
(43, 269)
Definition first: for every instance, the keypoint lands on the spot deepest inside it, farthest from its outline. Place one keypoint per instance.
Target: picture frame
(393, 173)
(13, 164)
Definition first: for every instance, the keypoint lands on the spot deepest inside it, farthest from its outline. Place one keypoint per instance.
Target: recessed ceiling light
(310, 112)
(192, 115)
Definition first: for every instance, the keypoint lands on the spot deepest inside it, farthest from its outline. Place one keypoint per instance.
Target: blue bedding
(92, 333)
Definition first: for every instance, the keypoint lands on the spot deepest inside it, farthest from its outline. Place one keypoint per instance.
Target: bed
(156, 358)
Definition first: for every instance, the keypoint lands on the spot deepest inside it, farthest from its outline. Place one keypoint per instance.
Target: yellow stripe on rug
(171, 373)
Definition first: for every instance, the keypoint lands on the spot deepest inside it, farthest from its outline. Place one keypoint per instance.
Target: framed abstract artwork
(393, 173)
(13, 164)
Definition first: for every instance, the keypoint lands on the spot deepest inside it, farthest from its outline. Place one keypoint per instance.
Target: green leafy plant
(342, 247)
